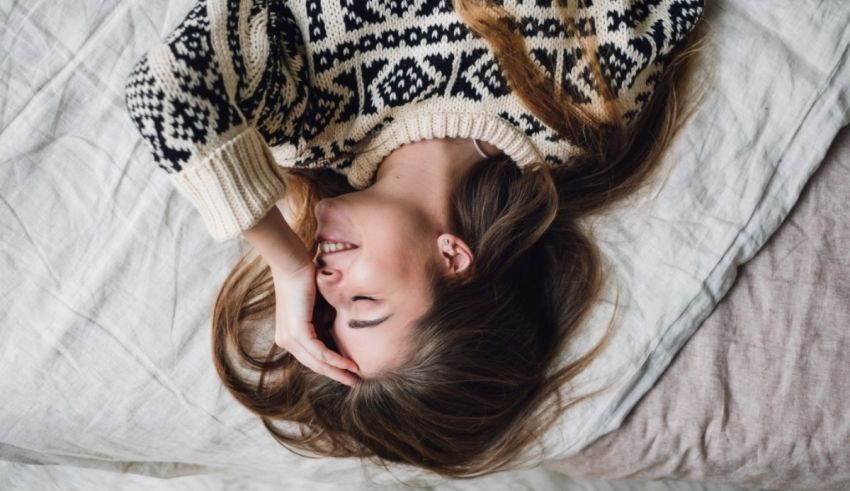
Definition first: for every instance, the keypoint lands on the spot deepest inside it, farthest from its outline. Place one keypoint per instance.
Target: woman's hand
(295, 293)
(294, 276)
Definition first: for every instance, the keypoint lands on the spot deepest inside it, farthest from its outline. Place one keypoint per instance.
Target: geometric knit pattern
(321, 77)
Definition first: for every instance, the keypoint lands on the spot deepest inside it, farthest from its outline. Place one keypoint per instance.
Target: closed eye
(358, 324)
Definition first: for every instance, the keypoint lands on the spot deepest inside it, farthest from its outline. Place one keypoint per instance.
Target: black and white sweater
(242, 87)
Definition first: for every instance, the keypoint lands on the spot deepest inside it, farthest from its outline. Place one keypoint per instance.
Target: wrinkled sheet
(759, 396)
(22, 477)
(107, 275)
(776, 77)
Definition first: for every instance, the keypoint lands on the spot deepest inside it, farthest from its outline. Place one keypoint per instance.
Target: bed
(758, 396)
(107, 277)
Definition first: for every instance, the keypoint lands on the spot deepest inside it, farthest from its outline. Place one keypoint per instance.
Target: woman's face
(377, 280)
(381, 246)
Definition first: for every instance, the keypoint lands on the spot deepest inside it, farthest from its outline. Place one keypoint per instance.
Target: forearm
(209, 116)
(275, 240)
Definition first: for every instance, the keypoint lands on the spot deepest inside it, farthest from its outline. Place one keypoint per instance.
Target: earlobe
(456, 254)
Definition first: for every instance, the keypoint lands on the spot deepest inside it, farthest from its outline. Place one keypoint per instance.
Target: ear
(456, 255)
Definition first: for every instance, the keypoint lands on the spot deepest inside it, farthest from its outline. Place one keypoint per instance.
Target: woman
(451, 262)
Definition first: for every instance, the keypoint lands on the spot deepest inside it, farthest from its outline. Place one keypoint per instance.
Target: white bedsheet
(107, 275)
(21, 477)
(778, 90)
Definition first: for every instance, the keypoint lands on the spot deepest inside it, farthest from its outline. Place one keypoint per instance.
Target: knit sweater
(243, 87)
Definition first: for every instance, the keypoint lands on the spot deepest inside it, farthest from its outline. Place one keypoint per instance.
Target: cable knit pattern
(242, 87)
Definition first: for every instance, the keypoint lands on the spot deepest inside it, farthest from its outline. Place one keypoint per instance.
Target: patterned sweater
(242, 87)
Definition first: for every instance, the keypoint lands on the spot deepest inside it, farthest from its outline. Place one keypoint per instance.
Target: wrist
(278, 244)
(292, 269)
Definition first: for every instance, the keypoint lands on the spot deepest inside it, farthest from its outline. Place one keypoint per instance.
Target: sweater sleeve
(211, 98)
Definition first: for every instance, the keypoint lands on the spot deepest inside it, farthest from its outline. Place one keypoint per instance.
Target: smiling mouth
(329, 246)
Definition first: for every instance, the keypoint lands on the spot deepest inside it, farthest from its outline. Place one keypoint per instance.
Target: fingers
(341, 376)
(318, 350)
(313, 354)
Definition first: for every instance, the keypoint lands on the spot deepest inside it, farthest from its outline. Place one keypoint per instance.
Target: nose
(328, 282)
(328, 276)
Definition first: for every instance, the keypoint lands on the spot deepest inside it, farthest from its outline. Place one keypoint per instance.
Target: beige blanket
(760, 395)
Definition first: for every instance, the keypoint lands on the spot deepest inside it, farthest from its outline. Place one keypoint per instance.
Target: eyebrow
(358, 324)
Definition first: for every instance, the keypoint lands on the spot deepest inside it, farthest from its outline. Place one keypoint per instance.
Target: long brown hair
(479, 385)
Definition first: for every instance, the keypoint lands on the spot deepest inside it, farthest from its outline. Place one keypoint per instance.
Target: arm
(207, 102)
(279, 245)
(210, 99)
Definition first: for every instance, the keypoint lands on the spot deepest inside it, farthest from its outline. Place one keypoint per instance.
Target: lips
(326, 248)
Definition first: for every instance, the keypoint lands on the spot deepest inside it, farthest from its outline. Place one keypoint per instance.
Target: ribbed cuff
(234, 186)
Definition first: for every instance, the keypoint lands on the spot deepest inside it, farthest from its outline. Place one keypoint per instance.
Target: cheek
(396, 226)
(382, 269)
(339, 336)
(397, 253)
(351, 344)
(389, 260)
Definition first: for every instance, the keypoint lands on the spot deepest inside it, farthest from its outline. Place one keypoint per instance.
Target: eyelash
(361, 297)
